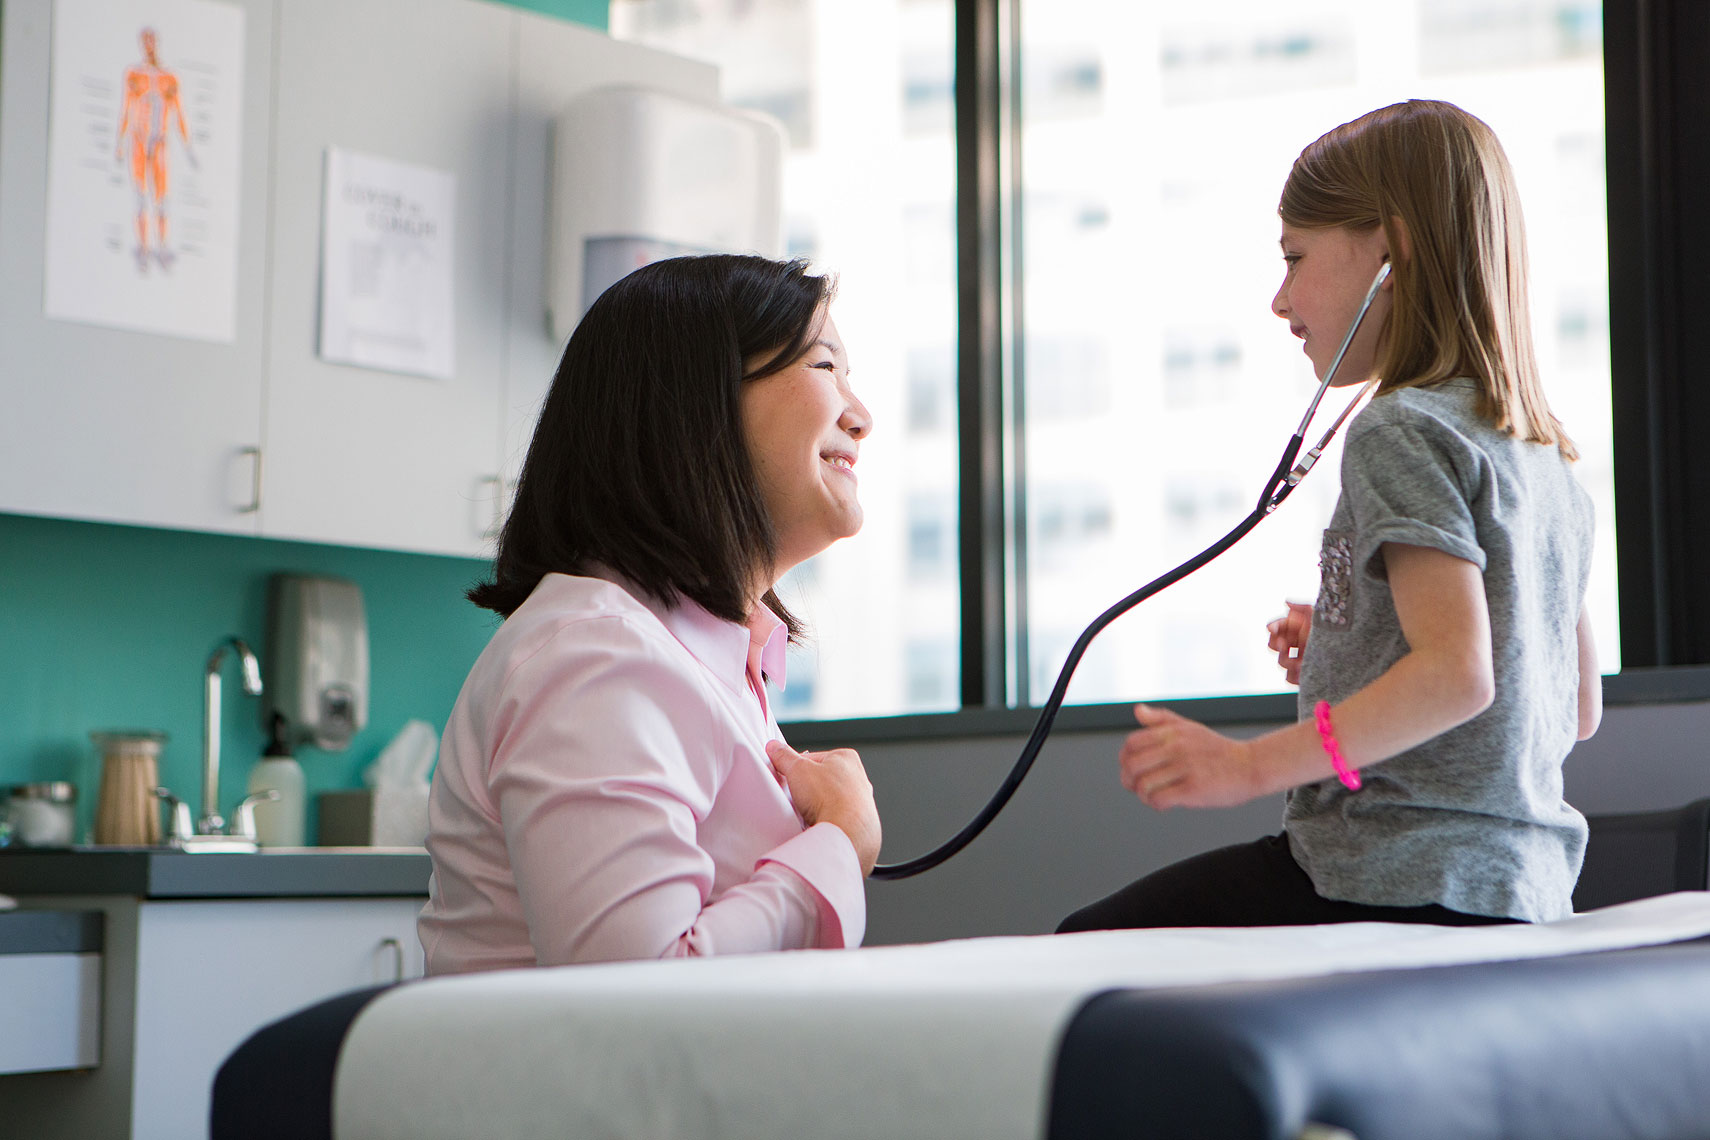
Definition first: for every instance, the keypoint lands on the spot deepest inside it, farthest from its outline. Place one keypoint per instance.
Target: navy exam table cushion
(1601, 1046)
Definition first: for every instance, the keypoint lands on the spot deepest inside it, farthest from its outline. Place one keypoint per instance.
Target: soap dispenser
(279, 823)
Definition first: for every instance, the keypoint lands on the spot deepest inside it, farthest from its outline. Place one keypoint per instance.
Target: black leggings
(1250, 884)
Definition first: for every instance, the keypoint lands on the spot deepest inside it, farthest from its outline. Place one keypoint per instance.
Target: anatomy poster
(386, 261)
(144, 153)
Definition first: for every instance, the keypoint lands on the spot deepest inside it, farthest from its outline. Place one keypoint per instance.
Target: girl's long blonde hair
(1461, 306)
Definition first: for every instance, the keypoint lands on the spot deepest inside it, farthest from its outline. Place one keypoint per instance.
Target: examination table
(1596, 1027)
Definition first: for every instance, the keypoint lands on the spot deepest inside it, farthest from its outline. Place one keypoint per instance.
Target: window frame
(1657, 145)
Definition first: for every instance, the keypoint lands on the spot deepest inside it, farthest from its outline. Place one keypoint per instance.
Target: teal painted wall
(111, 626)
(593, 13)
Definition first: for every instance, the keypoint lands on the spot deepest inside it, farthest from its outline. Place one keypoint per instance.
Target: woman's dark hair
(638, 461)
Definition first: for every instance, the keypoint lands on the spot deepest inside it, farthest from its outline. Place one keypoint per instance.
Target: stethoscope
(1278, 487)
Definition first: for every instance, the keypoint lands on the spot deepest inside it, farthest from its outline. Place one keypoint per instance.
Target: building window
(864, 92)
(1187, 155)
(1155, 388)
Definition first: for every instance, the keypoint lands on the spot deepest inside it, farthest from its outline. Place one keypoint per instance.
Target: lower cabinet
(53, 1014)
(184, 983)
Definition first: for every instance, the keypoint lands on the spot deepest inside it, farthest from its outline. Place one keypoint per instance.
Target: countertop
(165, 873)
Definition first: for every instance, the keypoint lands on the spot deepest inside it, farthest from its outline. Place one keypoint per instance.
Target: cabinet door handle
(254, 503)
(397, 949)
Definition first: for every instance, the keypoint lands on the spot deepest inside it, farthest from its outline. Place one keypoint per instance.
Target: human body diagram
(152, 111)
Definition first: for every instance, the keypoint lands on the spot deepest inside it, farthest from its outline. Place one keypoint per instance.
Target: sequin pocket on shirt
(1335, 579)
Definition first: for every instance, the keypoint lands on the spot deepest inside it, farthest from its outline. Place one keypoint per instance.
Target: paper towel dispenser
(640, 175)
(317, 659)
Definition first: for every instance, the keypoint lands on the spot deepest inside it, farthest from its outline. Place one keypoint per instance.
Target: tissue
(399, 780)
(391, 811)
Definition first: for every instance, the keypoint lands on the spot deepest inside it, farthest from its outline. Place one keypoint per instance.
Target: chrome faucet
(181, 832)
(211, 822)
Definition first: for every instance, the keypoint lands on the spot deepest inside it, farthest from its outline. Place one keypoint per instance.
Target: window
(931, 380)
(1149, 391)
(932, 539)
(1172, 285)
(1226, 51)
(864, 92)
(1458, 36)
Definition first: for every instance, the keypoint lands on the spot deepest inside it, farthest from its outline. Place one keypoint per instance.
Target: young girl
(1450, 666)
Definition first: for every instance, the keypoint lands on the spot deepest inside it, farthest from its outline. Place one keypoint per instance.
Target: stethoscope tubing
(1284, 479)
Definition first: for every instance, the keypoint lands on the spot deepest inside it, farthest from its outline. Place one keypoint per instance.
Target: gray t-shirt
(1472, 819)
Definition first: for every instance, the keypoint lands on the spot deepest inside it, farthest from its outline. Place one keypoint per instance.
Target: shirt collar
(726, 648)
(769, 641)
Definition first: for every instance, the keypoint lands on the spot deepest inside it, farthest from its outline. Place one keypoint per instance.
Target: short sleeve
(1411, 483)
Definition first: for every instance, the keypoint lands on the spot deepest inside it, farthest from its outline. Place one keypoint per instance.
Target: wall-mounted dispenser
(317, 653)
(640, 175)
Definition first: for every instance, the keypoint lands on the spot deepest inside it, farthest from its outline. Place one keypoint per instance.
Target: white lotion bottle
(278, 823)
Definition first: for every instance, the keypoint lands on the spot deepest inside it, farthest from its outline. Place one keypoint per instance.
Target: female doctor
(612, 783)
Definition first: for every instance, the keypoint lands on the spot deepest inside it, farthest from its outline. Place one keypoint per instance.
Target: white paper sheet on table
(940, 1040)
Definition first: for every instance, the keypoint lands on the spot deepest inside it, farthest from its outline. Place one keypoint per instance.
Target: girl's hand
(831, 787)
(1288, 638)
(1176, 762)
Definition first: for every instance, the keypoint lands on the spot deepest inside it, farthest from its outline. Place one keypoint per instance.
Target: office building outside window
(1155, 140)
(1156, 388)
(864, 93)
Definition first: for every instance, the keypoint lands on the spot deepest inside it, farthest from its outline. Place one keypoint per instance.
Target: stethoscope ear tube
(1342, 350)
(1278, 487)
(1282, 482)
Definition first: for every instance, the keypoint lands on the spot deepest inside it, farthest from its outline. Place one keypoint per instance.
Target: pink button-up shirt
(603, 793)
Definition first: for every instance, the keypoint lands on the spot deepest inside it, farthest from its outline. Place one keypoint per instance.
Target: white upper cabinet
(354, 455)
(261, 436)
(100, 423)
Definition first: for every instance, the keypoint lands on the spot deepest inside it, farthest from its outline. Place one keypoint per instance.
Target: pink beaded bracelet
(1349, 777)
